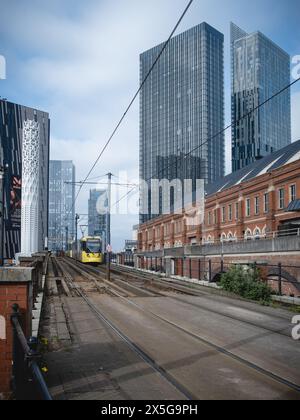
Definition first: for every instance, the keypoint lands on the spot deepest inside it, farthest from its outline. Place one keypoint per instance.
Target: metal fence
(124, 258)
(27, 380)
(253, 236)
(282, 275)
(228, 238)
(284, 278)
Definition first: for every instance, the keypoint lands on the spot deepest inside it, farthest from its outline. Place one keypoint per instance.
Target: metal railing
(284, 233)
(255, 237)
(27, 380)
(204, 269)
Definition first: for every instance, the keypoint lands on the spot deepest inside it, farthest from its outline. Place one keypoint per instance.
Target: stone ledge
(286, 299)
(16, 274)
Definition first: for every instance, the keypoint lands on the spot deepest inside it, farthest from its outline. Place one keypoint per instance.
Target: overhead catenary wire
(99, 178)
(79, 183)
(133, 100)
(248, 114)
(96, 177)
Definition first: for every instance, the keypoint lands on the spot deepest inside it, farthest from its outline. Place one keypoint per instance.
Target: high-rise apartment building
(181, 113)
(260, 69)
(61, 204)
(97, 218)
(14, 122)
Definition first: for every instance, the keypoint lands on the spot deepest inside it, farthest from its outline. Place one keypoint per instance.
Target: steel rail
(140, 352)
(219, 349)
(203, 308)
(208, 296)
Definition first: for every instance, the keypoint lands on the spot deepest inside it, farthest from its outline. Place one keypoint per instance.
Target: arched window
(248, 235)
(230, 237)
(223, 237)
(257, 234)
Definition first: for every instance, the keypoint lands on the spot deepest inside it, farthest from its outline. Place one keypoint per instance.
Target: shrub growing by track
(246, 282)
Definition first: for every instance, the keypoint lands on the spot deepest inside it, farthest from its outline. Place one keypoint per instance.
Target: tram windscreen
(93, 247)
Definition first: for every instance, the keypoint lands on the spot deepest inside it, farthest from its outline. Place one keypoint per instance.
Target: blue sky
(79, 61)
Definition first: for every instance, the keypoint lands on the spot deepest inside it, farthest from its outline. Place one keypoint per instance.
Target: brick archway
(216, 274)
(285, 275)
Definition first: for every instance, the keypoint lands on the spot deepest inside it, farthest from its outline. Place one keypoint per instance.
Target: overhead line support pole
(108, 226)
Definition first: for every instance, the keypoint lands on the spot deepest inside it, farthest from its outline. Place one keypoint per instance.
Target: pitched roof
(289, 154)
(293, 206)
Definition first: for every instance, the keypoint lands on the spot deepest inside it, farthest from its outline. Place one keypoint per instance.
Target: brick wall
(226, 214)
(11, 293)
(290, 270)
(201, 268)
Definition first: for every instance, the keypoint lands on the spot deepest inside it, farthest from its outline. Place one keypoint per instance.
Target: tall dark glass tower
(61, 208)
(259, 70)
(182, 107)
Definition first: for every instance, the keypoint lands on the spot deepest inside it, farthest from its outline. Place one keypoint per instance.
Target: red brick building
(250, 217)
(254, 203)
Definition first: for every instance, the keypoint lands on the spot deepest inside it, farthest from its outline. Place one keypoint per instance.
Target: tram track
(139, 351)
(190, 292)
(213, 346)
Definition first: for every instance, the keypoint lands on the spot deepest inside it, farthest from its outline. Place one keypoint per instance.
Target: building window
(237, 213)
(257, 234)
(257, 205)
(281, 198)
(293, 193)
(223, 237)
(248, 235)
(223, 214)
(248, 207)
(209, 218)
(230, 212)
(230, 237)
(266, 203)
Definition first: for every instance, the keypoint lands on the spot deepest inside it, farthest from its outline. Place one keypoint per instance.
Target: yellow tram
(89, 250)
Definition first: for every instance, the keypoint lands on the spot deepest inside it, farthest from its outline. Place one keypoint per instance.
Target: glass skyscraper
(259, 70)
(61, 199)
(181, 108)
(96, 220)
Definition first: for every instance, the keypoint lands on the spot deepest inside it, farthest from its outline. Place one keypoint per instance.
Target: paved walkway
(90, 362)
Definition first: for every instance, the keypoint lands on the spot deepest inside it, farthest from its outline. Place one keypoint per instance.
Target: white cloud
(121, 163)
(80, 62)
(83, 153)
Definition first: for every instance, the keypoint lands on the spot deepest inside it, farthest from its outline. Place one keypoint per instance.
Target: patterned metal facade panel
(12, 117)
